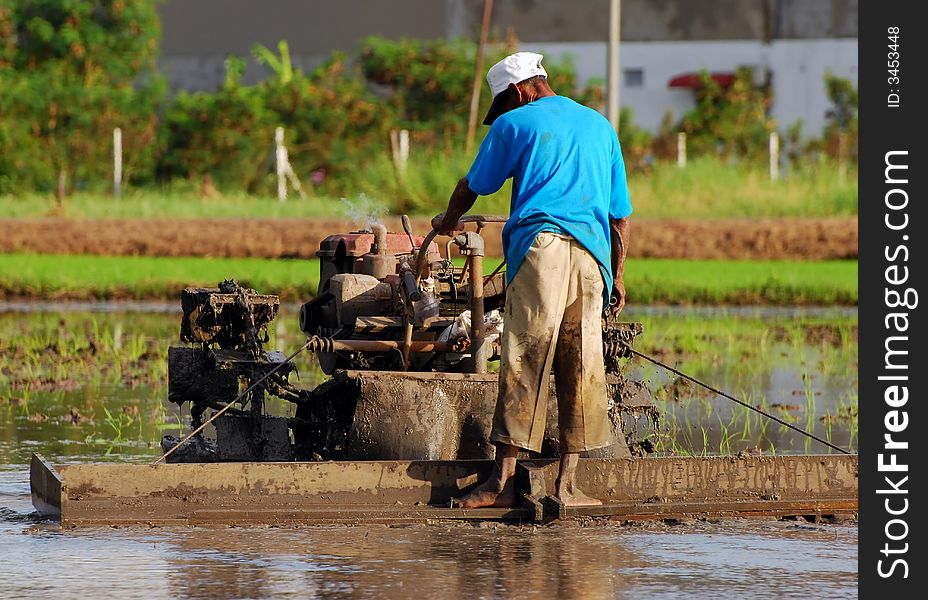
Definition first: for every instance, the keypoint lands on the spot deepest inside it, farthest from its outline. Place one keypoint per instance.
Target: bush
(224, 135)
(729, 120)
(332, 120)
(70, 72)
(637, 144)
(430, 82)
(840, 136)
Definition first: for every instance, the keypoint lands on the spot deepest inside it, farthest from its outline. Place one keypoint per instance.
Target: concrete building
(793, 42)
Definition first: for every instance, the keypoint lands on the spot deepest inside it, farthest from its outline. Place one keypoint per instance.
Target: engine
(375, 288)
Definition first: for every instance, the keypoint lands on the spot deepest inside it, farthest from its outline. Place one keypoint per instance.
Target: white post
(281, 156)
(612, 61)
(294, 180)
(842, 153)
(774, 156)
(403, 150)
(117, 162)
(681, 149)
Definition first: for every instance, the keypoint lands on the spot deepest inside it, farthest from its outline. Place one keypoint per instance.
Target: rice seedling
(746, 355)
(92, 361)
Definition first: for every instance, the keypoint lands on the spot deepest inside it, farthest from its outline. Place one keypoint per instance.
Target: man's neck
(535, 94)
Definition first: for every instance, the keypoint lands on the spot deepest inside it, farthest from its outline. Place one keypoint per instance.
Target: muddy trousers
(553, 320)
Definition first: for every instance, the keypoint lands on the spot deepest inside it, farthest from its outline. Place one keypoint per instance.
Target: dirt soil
(756, 239)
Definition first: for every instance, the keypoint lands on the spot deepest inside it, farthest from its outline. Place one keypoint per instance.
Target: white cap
(513, 69)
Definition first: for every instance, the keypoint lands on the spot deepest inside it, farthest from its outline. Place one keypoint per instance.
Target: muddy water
(102, 421)
(755, 559)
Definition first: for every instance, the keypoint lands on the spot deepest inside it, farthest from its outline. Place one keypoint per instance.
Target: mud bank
(751, 239)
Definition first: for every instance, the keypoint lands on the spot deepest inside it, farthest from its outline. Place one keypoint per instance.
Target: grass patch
(80, 384)
(800, 368)
(143, 277)
(706, 188)
(672, 281)
(648, 280)
(710, 189)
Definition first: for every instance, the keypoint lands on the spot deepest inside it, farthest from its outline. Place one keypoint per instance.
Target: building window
(634, 77)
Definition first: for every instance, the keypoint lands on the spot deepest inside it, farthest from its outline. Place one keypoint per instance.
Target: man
(567, 234)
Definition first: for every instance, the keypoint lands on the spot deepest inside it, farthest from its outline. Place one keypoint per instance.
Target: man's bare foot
(566, 487)
(577, 498)
(487, 494)
(498, 490)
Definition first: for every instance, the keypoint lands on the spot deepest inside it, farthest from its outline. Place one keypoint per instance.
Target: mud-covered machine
(404, 335)
(400, 427)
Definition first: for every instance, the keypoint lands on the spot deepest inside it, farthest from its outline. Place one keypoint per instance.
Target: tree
(70, 72)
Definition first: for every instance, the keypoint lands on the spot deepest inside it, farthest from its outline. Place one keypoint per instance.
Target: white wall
(798, 68)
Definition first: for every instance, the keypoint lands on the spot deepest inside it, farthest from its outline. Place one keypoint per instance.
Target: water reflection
(699, 560)
(507, 562)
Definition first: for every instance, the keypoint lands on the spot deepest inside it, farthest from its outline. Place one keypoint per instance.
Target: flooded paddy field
(88, 383)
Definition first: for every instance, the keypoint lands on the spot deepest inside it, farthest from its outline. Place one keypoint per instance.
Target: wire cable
(732, 398)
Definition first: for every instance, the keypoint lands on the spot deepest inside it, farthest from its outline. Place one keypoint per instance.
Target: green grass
(800, 368)
(141, 277)
(741, 282)
(95, 383)
(706, 188)
(647, 280)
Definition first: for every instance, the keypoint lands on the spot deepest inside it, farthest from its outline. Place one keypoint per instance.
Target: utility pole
(478, 77)
(612, 61)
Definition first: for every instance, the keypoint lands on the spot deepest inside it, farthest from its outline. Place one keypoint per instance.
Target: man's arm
(619, 231)
(461, 201)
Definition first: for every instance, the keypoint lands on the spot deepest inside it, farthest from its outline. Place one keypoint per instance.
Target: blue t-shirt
(567, 173)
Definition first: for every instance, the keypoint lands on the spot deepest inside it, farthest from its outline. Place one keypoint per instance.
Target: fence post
(681, 149)
(404, 149)
(281, 159)
(774, 156)
(117, 163)
(842, 157)
(399, 147)
(62, 185)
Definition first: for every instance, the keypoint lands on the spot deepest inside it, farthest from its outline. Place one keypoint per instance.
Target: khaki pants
(553, 319)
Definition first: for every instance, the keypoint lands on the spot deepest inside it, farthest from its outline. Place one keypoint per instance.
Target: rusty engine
(405, 335)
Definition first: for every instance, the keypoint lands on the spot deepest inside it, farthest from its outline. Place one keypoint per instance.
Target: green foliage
(70, 72)
(280, 65)
(843, 96)
(329, 117)
(226, 134)
(636, 142)
(729, 120)
(333, 122)
(430, 82)
(840, 135)
(115, 38)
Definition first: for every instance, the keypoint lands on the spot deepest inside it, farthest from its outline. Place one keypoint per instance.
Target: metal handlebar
(424, 248)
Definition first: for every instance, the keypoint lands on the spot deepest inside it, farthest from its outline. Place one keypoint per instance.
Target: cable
(230, 404)
(732, 398)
